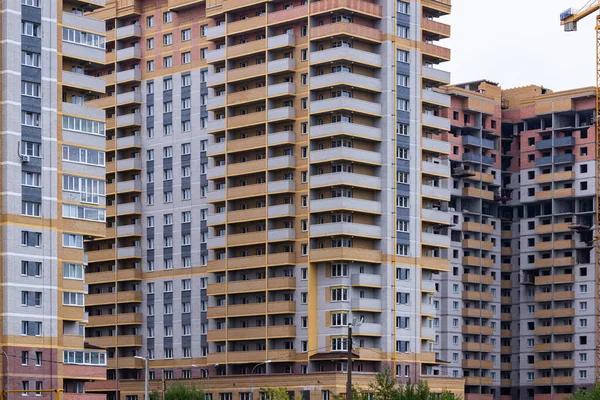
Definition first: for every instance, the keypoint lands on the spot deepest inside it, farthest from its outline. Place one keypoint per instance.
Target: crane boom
(569, 19)
(570, 16)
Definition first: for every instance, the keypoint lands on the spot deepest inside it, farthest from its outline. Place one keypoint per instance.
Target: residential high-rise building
(53, 193)
(548, 254)
(265, 190)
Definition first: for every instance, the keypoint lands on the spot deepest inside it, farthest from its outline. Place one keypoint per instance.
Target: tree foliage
(385, 387)
(591, 394)
(275, 393)
(178, 391)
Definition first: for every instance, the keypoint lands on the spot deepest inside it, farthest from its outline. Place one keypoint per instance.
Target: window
(403, 105)
(84, 156)
(339, 270)
(402, 250)
(150, 21)
(402, 56)
(402, 274)
(339, 294)
(401, 177)
(167, 17)
(31, 3)
(150, 65)
(403, 7)
(402, 153)
(186, 57)
(83, 38)
(168, 61)
(31, 268)
(31, 239)
(168, 286)
(339, 319)
(84, 125)
(402, 80)
(31, 328)
(402, 298)
(30, 179)
(31, 29)
(31, 89)
(186, 194)
(30, 208)
(402, 226)
(402, 346)
(30, 59)
(31, 299)
(402, 322)
(25, 386)
(402, 201)
(30, 118)
(186, 34)
(72, 271)
(402, 31)
(73, 299)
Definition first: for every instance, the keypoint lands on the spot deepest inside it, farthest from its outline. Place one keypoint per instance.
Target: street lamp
(207, 373)
(7, 374)
(252, 374)
(146, 376)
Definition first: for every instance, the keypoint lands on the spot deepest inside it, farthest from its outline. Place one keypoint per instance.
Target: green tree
(276, 393)
(591, 394)
(178, 391)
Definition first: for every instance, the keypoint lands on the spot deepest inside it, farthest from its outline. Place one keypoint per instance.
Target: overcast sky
(520, 42)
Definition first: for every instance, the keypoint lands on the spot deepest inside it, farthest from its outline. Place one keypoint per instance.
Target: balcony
(245, 49)
(556, 245)
(128, 31)
(129, 186)
(442, 7)
(555, 312)
(478, 261)
(431, 239)
(279, 41)
(345, 228)
(557, 262)
(126, 120)
(284, 64)
(284, 234)
(477, 227)
(550, 279)
(129, 252)
(245, 96)
(179, 5)
(437, 169)
(215, 79)
(478, 193)
(435, 192)
(83, 111)
(345, 203)
(129, 230)
(477, 347)
(215, 55)
(345, 153)
(129, 98)
(366, 280)
(345, 103)
(281, 162)
(345, 253)
(435, 146)
(556, 177)
(277, 138)
(281, 186)
(437, 28)
(549, 228)
(281, 210)
(477, 244)
(437, 216)
(83, 23)
(345, 128)
(556, 296)
(216, 31)
(476, 278)
(366, 304)
(240, 121)
(472, 295)
(248, 24)
(435, 263)
(284, 258)
(437, 98)
(129, 75)
(564, 159)
(345, 53)
(477, 330)
(346, 178)
(81, 52)
(477, 364)
(477, 313)
(435, 122)
(128, 53)
(281, 89)
(118, 319)
(86, 82)
(436, 75)
(246, 215)
(358, 7)
(246, 144)
(345, 78)
(287, 15)
(436, 52)
(281, 113)
(129, 141)
(346, 29)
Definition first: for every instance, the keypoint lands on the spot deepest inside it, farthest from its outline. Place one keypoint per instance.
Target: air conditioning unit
(25, 158)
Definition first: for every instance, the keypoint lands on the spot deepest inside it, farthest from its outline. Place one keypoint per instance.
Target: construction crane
(569, 19)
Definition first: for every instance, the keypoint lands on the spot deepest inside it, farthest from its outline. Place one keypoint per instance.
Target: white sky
(520, 42)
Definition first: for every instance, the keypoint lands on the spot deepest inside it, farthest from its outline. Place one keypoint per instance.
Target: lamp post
(252, 374)
(7, 374)
(207, 373)
(146, 376)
